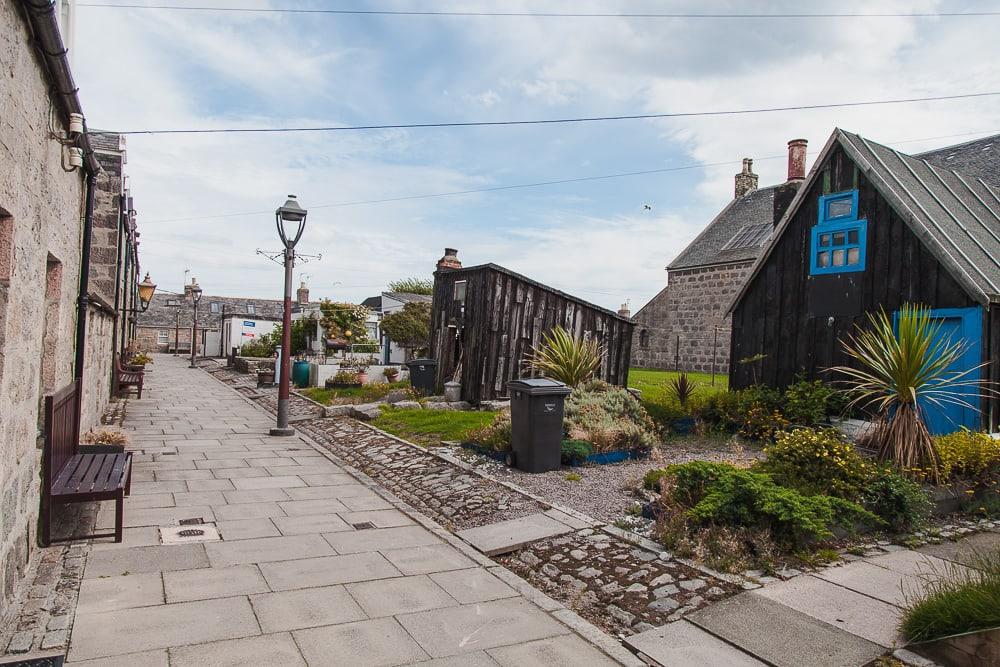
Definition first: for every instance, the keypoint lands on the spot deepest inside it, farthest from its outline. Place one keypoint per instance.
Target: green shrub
(755, 412)
(807, 402)
(967, 454)
(651, 480)
(956, 601)
(562, 356)
(816, 461)
(609, 418)
(342, 378)
(721, 494)
(495, 435)
(575, 452)
(261, 348)
(900, 502)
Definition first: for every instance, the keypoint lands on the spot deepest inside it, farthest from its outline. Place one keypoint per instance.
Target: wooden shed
(872, 228)
(488, 318)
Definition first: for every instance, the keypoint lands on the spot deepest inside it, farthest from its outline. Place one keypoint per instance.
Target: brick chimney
(449, 261)
(188, 288)
(746, 180)
(797, 159)
(302, 295)
(625, 312)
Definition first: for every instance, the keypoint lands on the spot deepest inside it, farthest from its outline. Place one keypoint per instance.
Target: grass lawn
(430, 427)
(366, 394)
(657, 396)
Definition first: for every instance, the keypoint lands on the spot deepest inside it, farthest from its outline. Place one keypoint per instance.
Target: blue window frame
(839, 239)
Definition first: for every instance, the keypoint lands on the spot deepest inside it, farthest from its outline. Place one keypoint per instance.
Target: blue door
(963, 325)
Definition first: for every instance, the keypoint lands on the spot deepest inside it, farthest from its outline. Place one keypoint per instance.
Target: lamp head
(146, 290)
(291, 221)
(196, 293)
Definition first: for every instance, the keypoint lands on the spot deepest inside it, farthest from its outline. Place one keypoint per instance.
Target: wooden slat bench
(69, 476)
(127, 376)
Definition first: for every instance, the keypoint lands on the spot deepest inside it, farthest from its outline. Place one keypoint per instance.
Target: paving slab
(506, 536)
(309, 572)
(874, 581)
(262, 482)
(141, 536)
(782, 636)
(424, 560)
(455, 630)
(914, 563)
(122, 592)
(255, 496)
(163, 626)
(247, 511)
(964, 549)
(305, 608)
(246, 529)
(404, 595)
(207, 583)
(266, 549)
(146, 659)
(380, 642)
(307, 507)
(315, 523)
(380, 518)
(842, 608)
(683, 643)
(320, 492)
(381, 538)
(278, 650)
(477, 659)
(473, 585)
(562, 650)
(145, 559)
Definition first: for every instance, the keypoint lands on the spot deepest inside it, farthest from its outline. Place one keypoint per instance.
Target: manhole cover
(191, 532)
(49, 661)
(364, 525)
(191, 522)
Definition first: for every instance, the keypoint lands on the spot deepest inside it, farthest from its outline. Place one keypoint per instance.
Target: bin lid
(539, 386)
(422, 362)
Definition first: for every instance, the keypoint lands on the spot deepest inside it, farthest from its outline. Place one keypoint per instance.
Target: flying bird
(647, 207)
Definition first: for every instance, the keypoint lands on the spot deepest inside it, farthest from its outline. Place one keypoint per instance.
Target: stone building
(49, 172)
(685, 326)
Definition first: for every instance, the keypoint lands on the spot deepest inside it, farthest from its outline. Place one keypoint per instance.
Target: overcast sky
(152, 69)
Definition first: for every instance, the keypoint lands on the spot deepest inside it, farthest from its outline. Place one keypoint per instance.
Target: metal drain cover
(191, 532)
(191, 522)
(181, 535)
(364, 525)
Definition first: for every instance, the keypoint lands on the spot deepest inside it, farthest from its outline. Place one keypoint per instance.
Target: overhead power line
(555, 121)
(537, 14)
(537, 184)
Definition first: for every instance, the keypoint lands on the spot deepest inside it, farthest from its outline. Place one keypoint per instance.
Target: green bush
(262, 348)
(807, 402)
(816, 461)
(651, 480)
(495, 435)
(575, 452)
(967, 454)
(956, 601)
(342, 378)
(720, 494)
(754, 412)
(609, 418)
(900, 502)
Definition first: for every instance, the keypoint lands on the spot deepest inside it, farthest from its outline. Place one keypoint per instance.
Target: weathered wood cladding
(797, 319)
(505, 316)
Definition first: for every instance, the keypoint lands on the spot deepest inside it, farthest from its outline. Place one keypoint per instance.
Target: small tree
(344, 321)
(413, 286)
(410, 328)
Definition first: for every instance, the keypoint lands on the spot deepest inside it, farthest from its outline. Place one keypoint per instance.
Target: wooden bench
(69, 476)
(127, 376)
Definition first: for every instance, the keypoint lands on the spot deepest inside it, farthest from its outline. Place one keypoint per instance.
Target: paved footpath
(314, 566)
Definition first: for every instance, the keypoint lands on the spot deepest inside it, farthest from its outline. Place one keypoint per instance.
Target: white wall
(240, 330)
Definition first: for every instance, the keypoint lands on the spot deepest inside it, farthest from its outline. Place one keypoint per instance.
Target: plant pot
(452, 392)
(682, 426)
(362, 378)
(265, 378)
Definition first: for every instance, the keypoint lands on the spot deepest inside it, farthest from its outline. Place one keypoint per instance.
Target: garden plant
(566, 358)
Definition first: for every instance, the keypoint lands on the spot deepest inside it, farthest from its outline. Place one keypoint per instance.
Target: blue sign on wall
(248, 323)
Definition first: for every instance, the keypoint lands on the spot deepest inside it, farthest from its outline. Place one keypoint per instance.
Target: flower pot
(363, 378)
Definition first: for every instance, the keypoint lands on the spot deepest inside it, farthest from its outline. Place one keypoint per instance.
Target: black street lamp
(195, 298)
(291, 221)
(146, 289)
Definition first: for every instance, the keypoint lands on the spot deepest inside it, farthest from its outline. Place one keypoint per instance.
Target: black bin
(536, 415)
(423, 375)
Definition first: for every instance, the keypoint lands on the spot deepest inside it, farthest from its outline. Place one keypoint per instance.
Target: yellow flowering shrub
(816, 461)
(967, 454)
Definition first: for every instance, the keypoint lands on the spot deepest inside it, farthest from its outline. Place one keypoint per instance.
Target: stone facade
(652, 345)
(41, 212)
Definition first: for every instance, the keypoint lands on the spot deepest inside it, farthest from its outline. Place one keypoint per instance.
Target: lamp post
(290, 219)
(195, 298)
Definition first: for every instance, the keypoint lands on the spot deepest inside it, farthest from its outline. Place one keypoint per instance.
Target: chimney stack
(188, 288)
(746, 180)
(449, 261)
(797, 160)
(302, 295)
(625, 312)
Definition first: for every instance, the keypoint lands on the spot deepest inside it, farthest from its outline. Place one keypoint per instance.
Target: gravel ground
(604, 491)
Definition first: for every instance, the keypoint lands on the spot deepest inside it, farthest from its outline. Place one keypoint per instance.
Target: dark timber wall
(796, 319)
(505, 315)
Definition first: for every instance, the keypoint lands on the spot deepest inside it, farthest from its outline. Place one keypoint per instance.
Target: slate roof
(409, 297)
(976, 158)
(161, 316)
(955, 213)
(735, 235)
(373, 303)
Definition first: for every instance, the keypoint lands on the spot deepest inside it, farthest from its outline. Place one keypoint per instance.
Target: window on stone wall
(644, 338)
(50, 328)
(6, 271)
(214, 306)
(162, 337)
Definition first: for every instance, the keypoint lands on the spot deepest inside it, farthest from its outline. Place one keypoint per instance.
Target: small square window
(460, 291)
(853, 256)
(215, 306)
(852, 237)
(251, 309)
(838, 238)
(824, 240)
(838, 257)
(839, 208)
(823, 259)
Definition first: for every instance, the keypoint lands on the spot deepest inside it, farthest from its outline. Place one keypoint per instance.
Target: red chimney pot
(797, 159)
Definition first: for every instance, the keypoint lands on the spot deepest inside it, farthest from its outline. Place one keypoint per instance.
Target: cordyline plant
(683, 388)
(563, 357)
(899, 366)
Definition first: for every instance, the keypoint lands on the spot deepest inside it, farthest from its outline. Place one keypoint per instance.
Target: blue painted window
(839, 239)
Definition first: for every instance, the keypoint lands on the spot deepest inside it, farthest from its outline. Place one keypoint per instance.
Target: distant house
(874, 228)
(686, 326)
(485, 319)
(393, 302)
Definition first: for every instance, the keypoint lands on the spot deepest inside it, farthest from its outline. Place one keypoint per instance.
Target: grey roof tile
(979, 158)
(713, 245)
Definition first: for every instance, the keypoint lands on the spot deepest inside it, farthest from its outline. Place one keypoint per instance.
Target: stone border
(589, 632)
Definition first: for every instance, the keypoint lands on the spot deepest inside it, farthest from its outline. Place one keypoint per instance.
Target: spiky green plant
(898, 366)
(563, 357)
(683, 387)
